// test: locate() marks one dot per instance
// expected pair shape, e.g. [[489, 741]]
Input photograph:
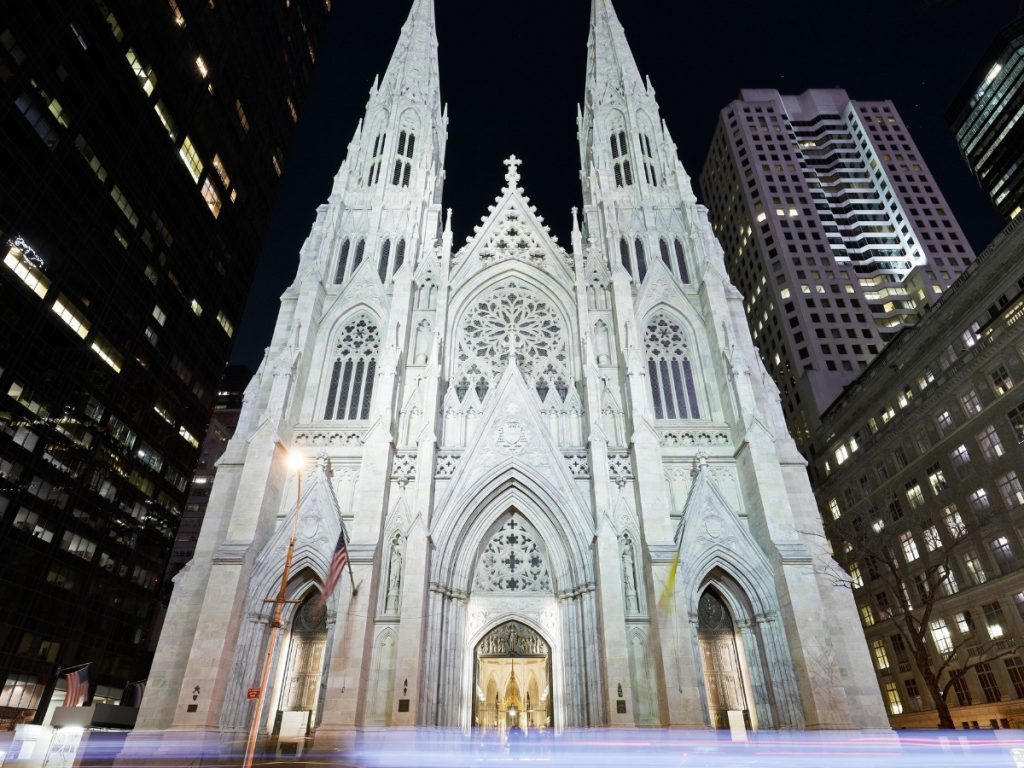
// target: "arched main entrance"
[[299, 691], [512, 680], [723, 675]]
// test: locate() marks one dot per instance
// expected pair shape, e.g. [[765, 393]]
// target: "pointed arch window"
[[375, 162], [670, 371], [641, 260], [627, 262], [339, 276], [360, 252], [649, 171], [666, 257], [399, 256], [355, 368], [684, 274], [382, 267], [620, 160], [403, 162]]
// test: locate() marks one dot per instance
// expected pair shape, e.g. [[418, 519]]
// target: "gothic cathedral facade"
[[518, 438]]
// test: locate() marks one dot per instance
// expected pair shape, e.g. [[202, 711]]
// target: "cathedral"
[[567, 488]]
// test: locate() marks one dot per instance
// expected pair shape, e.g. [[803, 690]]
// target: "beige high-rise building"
[[834, 230]]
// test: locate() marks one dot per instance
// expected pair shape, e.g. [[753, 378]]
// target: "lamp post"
[[295, 462]]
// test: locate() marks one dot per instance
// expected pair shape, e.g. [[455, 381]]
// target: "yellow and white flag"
[[670, 583]]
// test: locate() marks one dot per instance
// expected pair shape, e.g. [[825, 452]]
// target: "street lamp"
[[295, 461]]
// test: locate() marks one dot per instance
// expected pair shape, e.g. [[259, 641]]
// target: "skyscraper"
[[986, 121], [140, 148], [517, 438], [834, 230]]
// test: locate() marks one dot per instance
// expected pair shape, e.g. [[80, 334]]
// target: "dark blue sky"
[[512, 74]]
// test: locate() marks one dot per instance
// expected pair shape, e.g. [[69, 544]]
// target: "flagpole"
[[296, 462], [348, 560]]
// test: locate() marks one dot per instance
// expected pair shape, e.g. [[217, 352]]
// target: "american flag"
[[77, 687], [338, 562], [132, 696]]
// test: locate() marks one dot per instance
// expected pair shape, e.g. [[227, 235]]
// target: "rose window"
[[511, 320]]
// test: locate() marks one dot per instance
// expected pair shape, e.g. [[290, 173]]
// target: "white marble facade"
[[602, 402]]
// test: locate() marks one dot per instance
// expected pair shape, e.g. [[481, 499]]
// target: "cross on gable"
[[512, 177]]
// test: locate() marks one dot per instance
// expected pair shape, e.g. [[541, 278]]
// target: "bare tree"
[[890, 561]]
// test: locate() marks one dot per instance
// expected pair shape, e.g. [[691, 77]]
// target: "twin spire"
[[414, 65]]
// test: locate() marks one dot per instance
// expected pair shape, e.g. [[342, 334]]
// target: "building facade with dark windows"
[[834, 230], [986, 121], [919, 477], [140, 148]]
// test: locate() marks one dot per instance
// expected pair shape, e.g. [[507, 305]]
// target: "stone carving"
[[513, 239], [513, 639], [684, 438], [512, 562], [446, 464], [393, 593], [579, 464], [343, 438], [513, 437], [620, 467], [403, 469], [629, 577]]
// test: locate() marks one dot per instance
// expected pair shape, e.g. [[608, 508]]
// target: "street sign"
[[254, 693]]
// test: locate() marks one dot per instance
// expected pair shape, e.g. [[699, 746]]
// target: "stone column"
[[350, 658], [613, 621], [593, 679], [676, 636]]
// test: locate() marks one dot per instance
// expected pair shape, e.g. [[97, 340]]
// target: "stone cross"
[[512, 177]]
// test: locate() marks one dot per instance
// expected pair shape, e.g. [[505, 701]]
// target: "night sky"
[[512, 74]]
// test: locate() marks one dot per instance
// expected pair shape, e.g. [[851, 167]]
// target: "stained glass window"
[[354, 370], [670, 371]]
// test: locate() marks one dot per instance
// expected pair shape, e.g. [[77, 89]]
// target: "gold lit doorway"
[[512, 681]]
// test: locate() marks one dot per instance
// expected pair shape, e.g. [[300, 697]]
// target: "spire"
[[610, 60], [413, 71]]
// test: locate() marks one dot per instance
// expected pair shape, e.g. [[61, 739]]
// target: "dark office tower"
[[986, 121], [226, 409], [834, 230], [141, 144]]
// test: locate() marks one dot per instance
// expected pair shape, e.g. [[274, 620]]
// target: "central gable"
[[512, 230]]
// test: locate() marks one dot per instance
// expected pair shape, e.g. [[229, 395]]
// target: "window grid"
[[989, 686]]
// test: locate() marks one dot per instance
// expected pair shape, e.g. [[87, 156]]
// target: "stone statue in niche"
[[392, 598], [629, 577], [604, 349], [423, 343]]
